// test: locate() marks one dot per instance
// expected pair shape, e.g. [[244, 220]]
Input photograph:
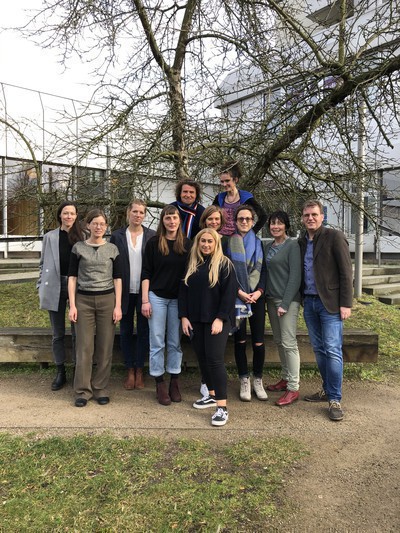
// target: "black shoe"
[[80, 402], [319, 396], [60, 380], [104, 400], [335, 411]]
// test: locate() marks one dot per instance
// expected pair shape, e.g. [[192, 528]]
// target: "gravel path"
[[349, 482]]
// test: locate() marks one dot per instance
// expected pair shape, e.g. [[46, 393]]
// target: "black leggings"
[[210, 351]]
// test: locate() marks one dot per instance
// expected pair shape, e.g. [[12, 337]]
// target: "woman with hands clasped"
[[284, 269], [246, 252], [207, 311], [94, 289]]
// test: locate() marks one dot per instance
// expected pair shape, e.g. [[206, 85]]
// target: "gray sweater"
[[94, 267], [284, 273]]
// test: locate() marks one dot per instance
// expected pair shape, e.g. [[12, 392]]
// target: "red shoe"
[[280, 386], [289, 397]]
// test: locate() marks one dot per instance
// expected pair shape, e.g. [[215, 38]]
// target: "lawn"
[[104, 483]]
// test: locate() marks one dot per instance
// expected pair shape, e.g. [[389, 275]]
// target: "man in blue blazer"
[[327, 290]]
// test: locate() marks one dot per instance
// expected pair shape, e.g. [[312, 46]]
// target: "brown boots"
[[129, 383], [134, 379], [174, 391], [164, 396], [139, 381]]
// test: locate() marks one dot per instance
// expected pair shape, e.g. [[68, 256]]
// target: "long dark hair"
[[75, 234], [179, 243]]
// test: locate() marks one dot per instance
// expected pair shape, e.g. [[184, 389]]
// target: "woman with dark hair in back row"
[[53, 281]]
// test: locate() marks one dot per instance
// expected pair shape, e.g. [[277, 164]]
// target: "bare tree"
[[159, 68]]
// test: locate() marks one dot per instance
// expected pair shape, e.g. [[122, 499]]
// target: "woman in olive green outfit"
[[283, 261]]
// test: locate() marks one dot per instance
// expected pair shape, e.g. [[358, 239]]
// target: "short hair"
[[313, 203], [210, 210], [282, 216], [191, 183], [94, 213], [233, 168], [246, 207]]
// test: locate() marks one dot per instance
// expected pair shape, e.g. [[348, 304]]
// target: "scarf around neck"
[[187, 213]]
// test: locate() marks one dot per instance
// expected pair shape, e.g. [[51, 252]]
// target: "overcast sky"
[[25, 64]]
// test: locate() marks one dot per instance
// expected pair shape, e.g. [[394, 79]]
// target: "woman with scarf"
[[246, 252], [188, 197]]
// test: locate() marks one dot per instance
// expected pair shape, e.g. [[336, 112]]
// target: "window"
[[330, 14]]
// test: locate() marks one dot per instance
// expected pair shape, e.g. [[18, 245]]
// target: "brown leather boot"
[[162, 394], [129, 383], [174, 390], [139, 379]]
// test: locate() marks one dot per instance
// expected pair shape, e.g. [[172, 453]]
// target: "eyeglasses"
[[244, 219], [98, 224]]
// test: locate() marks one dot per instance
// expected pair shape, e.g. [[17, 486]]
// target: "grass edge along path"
[[93, 483]]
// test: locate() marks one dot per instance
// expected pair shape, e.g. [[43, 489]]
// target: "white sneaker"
[[220, 417], [204, 390], [245, 389], [259, 390]]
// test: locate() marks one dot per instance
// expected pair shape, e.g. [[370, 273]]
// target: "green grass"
[[102, 483], [368, 313]]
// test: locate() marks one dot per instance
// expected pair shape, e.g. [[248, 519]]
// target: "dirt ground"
[[350, 482]]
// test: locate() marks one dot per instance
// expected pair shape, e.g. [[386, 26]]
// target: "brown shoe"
[[289, 397], [162, 394], [174, 391], [129, 383], [278, 387], [139, 379]]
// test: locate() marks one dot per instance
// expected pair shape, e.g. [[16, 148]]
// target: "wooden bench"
[[27, 345]]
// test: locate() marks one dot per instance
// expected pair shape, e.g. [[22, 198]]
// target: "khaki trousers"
[[95, 332]]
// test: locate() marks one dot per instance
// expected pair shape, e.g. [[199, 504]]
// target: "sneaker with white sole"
[[220, 417], [204, 390], [259, 390], [206, 401], [335, 411], [245, 389]]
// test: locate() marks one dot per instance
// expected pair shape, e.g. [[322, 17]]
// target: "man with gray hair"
[[327, 291]]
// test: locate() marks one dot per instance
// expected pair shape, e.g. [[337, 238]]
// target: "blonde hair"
[[210, 210], [218, 259]]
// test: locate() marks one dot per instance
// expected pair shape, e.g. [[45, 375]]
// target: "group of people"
[[203, 273]]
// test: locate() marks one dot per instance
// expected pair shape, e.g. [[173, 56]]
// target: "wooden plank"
[[27, 345]]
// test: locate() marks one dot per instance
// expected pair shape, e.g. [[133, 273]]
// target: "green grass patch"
[[101, 483], [20, 308]]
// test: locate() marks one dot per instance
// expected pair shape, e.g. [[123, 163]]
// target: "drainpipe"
[[359, 235]]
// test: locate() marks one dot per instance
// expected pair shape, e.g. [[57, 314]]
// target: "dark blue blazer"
[[118, 238]]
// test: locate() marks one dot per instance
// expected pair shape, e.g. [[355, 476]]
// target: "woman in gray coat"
[[52, 283]]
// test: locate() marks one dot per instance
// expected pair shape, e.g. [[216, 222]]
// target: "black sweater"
[[201, 303], [164, 271]]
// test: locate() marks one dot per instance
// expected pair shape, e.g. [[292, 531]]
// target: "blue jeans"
[[326, 336], [164, 324], [57, 321], [134, 358]]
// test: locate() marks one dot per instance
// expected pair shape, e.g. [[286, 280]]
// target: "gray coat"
[[49, 283]]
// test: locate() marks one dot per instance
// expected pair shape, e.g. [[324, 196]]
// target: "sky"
[[27, 65]]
